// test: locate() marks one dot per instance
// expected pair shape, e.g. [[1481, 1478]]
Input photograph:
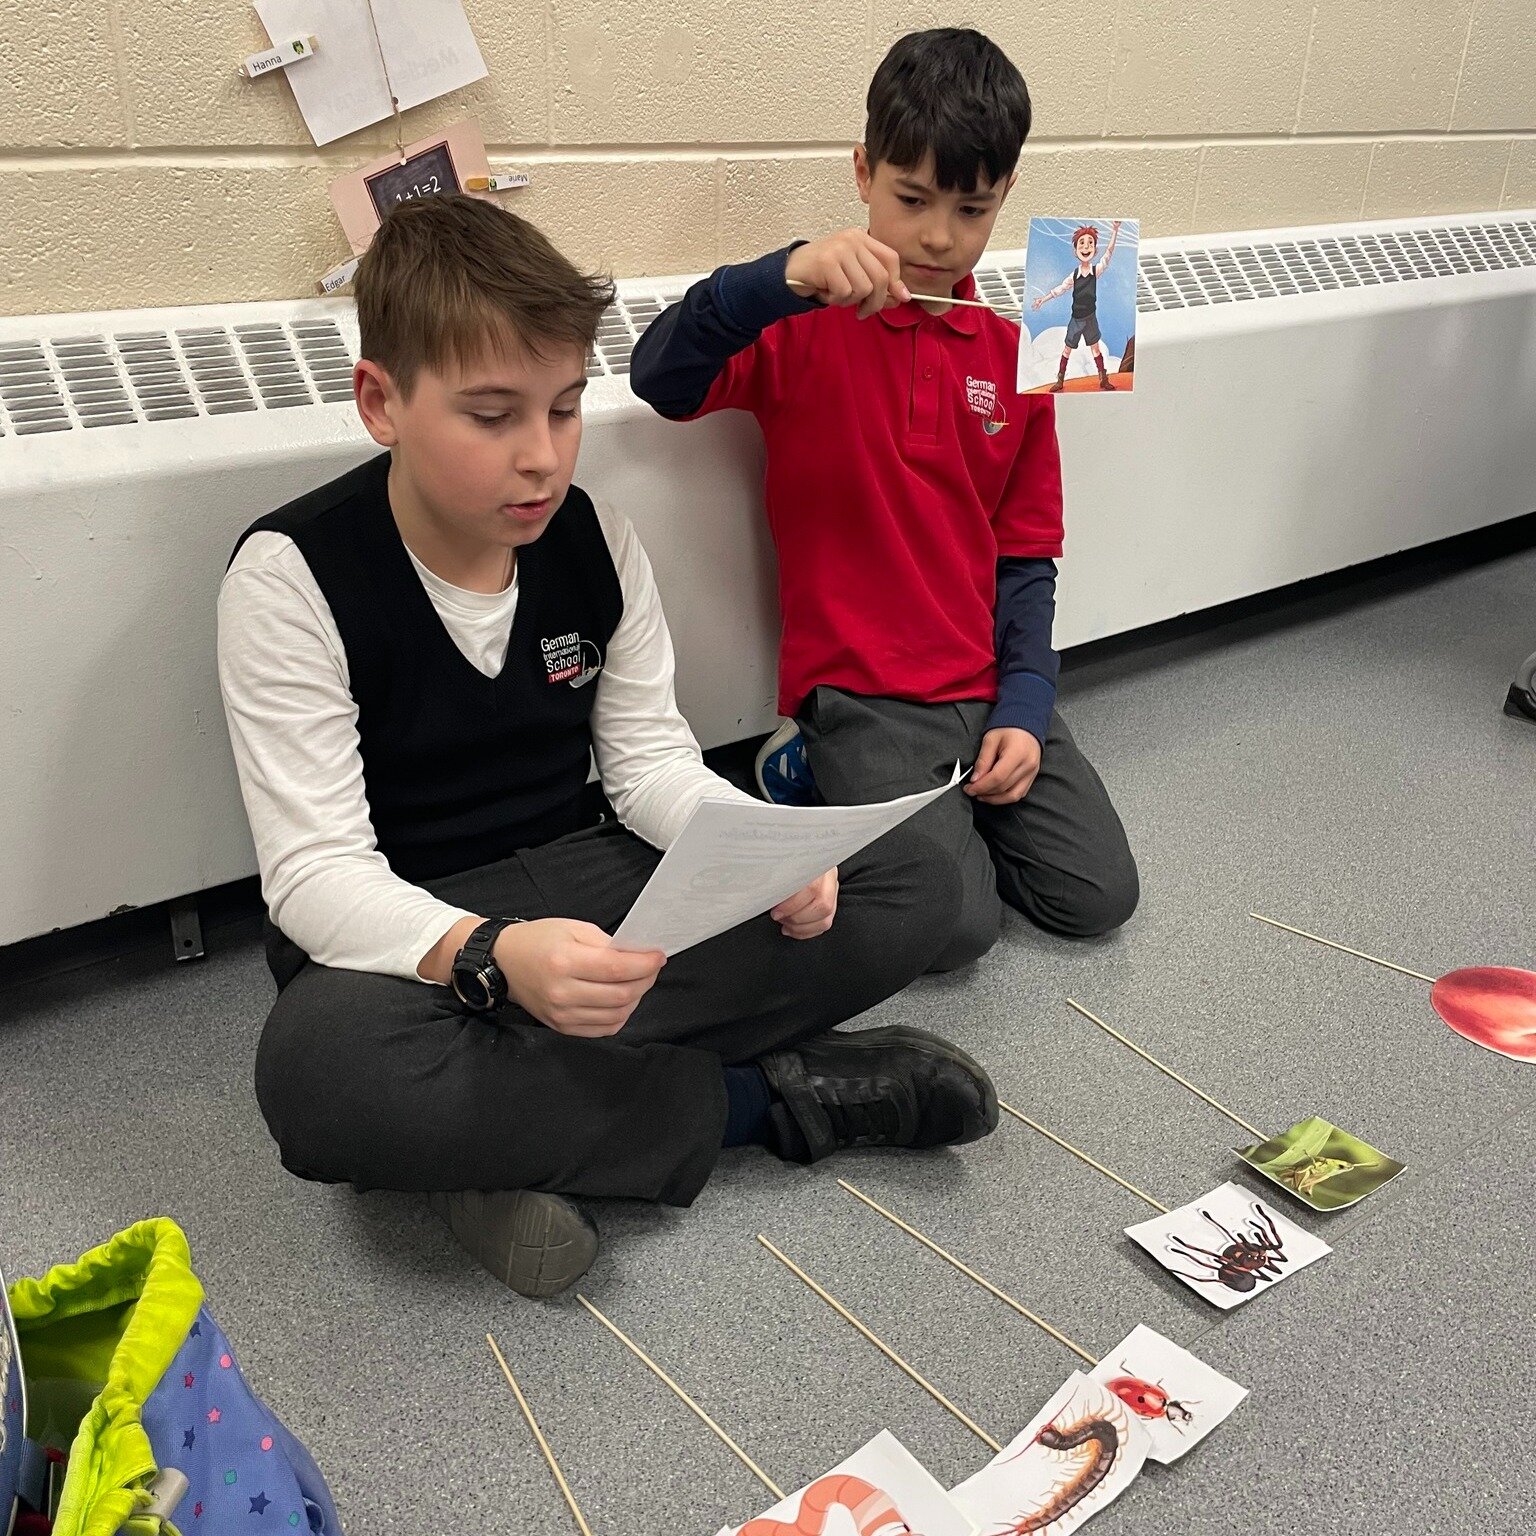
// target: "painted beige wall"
[[136, 167]]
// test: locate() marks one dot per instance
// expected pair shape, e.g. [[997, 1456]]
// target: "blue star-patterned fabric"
[[12, 1412], [245, 1471]]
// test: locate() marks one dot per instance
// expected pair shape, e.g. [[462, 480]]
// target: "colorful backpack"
[[135, 1409]]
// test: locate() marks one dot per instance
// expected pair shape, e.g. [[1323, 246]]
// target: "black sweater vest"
[[461, 769]]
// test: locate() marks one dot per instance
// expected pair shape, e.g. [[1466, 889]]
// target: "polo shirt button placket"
[[925, 385]]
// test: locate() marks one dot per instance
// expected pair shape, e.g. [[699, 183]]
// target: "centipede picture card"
[[1228, 1246], [1321, 1165], [881, 1487], [1177, 1396], [1075, 1457]]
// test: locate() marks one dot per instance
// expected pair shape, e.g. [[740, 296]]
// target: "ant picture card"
[[1075, 1457], [881, 1487], [1178, 1398], [1321, 1165], [13, 1412], [443, 162], [1227, 1246], [367, 50], [1078, 325]]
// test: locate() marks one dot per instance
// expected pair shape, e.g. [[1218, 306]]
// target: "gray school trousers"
[[1059, 855], [388, 1083]]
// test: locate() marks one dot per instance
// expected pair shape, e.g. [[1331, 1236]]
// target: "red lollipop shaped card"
[[1491, 1005]]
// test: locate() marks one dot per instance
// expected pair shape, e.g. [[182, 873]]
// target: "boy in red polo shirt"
[[915, 498]]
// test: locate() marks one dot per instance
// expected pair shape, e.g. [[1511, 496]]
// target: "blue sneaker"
[[784, 770]]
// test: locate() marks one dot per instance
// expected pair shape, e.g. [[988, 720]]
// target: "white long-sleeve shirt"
[[293, 725]]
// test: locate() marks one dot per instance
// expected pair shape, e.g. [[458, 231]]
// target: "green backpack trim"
[[103, 1331]]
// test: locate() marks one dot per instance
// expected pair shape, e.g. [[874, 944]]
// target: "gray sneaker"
[[537, 1244]]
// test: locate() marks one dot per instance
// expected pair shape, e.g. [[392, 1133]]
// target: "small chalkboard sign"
[[452, 160], [422, 175]]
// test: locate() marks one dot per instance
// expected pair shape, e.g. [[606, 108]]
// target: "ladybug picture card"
[[1178, 1398], [1228, 1246]]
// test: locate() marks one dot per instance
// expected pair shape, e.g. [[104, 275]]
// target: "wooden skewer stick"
[[1066, 1146], [1252, 1130], [884, 1348], [646, 1360], [538, 1435], [933, 298], [1317, 938], [970, 1273]]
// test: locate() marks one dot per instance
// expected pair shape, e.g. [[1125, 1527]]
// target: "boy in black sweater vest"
[[418, 661]]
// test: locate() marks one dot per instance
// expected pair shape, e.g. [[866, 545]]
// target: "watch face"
[[473, 988]]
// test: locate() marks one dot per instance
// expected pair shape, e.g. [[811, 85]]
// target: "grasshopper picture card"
[[1228, 1246], [1077, 331], [881, 1490], [1321, 1165], [1075, 1457], [1178, 1398]]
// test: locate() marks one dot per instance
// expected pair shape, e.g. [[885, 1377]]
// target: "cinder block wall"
[[667, 135]]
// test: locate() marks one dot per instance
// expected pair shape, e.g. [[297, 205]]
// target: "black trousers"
[[387, 1083], [1059, 855]]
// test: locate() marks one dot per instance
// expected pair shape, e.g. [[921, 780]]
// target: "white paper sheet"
[[1176, 1395], [428, 45], [734, 860], [1227, 1246], [918, 1503], [1092, 1450]]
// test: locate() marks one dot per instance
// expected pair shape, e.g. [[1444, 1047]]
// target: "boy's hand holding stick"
[[848, 269]]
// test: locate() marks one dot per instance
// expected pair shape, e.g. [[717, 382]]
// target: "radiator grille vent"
[[54, 385], [1234, 273]]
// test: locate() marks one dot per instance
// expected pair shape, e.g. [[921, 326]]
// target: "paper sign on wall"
[[443, 162], [427, 44]]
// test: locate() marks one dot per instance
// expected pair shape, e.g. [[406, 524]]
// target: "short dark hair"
[[954, 93], [453, 277]]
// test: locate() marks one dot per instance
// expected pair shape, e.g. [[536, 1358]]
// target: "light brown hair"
[[455, 278]]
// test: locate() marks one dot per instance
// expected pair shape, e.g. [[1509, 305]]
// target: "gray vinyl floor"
[[1342, 764]]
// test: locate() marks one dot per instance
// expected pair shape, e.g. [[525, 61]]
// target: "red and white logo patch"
[[981, 396]]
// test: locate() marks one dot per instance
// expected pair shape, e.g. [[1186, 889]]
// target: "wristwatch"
[[476, 978]]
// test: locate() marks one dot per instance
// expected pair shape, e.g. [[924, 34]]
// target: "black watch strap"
[[477, 979]]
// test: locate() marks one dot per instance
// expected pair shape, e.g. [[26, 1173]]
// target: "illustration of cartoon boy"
[[1083, 280]]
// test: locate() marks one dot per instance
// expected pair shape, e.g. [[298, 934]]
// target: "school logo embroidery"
[[981, 396], [570, 659]]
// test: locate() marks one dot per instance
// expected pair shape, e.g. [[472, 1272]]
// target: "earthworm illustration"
[[872, 1509]]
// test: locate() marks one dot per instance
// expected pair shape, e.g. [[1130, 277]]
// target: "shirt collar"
[[965, 321]]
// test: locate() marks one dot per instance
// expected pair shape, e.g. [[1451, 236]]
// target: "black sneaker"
[[892, 1087], [536, 1244]]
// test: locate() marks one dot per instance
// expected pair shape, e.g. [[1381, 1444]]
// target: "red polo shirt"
[[901, 465]]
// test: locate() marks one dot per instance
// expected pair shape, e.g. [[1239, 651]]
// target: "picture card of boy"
[[881, 1490], [1227, 1246], [1178, 1398], [1077, 1455], [1321, 1165], [1078, 327]]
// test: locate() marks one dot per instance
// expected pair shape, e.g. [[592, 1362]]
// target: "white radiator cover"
[[1270, 438]]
